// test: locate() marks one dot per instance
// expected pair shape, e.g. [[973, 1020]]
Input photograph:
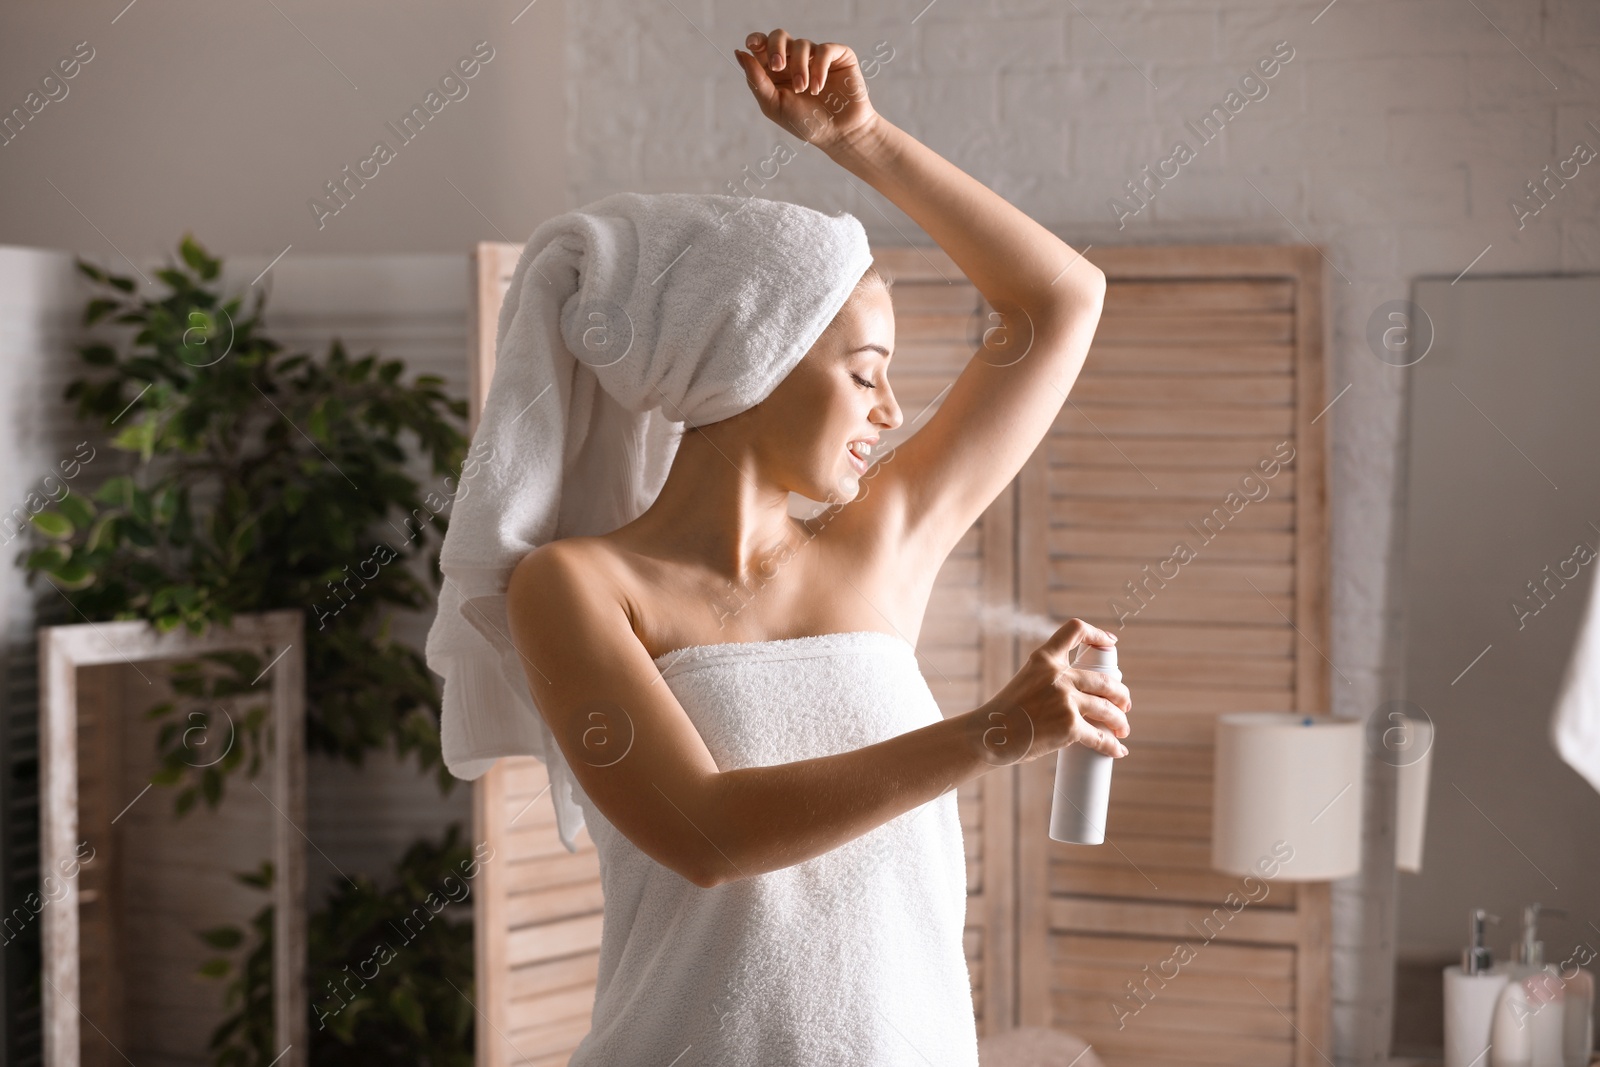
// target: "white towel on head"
[[623, 320]]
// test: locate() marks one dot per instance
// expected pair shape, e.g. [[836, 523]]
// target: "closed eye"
[[863, 382]]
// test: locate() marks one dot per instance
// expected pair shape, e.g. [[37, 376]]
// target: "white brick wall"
[[1394, 139]]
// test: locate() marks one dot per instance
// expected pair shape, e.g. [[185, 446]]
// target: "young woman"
[[766, 776]]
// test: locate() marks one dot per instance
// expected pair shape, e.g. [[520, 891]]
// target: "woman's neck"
[[715, 511]]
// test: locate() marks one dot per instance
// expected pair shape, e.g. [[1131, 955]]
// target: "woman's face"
[[837, 396]]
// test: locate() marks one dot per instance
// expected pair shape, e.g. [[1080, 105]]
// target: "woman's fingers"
[[1104, 712], [806, 61], [777, 49], [755, 76], [821, 62], [1102, 684], [799, 64], [1099, 739], [1070, 635]]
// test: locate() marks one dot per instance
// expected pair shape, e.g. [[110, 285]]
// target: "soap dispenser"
[[1530, 1014], [1579, 1013], [1470, 994]]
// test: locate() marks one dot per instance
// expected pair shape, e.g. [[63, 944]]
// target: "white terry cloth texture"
[[851, 957], [1575, 725], [624, 319]]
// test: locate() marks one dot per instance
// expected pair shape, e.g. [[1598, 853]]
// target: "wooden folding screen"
[[1206, 358], [1205, 374]]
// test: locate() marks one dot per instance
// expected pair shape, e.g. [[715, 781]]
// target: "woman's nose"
[[890, 410]]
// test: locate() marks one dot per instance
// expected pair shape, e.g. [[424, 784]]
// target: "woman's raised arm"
[[1049, 297]]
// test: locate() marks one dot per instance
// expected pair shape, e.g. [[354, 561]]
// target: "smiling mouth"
[[859, 459]]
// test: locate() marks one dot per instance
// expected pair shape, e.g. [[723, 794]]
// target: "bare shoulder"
[[563, 581], [567, 614], [592, 682]]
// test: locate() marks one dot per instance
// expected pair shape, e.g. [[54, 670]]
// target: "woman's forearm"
[[777, 816], [1011, 259]]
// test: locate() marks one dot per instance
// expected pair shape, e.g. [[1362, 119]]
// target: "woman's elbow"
[[1071, 306], [708, 872]]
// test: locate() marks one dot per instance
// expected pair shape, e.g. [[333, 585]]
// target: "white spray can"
[[1083, 776]]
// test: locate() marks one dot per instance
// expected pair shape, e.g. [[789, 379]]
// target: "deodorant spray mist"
[[1083, 776]]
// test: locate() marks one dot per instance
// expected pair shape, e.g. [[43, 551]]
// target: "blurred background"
[[1401, 138]]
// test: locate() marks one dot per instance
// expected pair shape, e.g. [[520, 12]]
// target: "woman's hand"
[[815, 91], [1049, 705]]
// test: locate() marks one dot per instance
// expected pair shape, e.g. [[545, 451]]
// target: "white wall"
[[1394, 138], [226, 119]]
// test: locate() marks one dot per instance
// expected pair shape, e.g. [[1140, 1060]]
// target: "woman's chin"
[[845, 488]]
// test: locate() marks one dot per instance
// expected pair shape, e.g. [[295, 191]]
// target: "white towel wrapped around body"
[[625, 320], [854, 956]]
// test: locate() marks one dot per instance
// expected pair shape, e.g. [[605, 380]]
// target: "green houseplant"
[[390, 970], [260, 480]]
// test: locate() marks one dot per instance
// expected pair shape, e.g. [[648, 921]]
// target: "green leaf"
[[98, 355], [99, 308], [197, 259], [50, 559], [215, 968], [102, 533], [317, 425], [53, 524], [261, 878], [77, 508], [132, 437], [115, 490], [140, 504], [90, 269], [75, 574], [223, 937], [137, 533], [405, 1006]]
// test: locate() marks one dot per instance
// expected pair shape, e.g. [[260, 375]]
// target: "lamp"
[[1284, 778]]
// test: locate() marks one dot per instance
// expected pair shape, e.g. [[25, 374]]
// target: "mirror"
[[1500, 509], [129, 888]]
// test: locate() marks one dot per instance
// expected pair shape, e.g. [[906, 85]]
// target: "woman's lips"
[[855, 461]]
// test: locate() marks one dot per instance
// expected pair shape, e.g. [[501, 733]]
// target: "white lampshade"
[[1287, 784]]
